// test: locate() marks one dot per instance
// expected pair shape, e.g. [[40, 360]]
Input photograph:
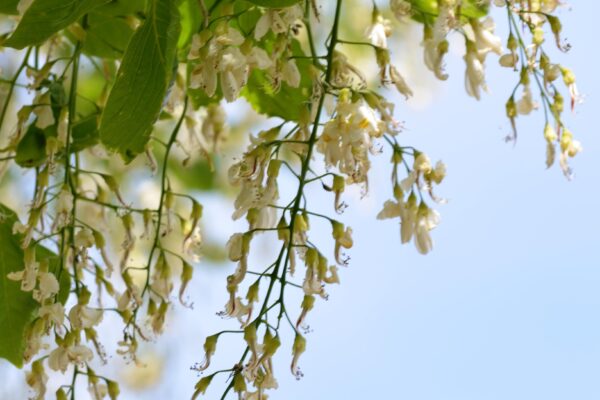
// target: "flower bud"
[[252, 295], [202, 385], [61, 395], [283, 232], [273, 169], [250, 334], [549, 133], [538, 36], [113, 389], [239, 383], [511, 107]]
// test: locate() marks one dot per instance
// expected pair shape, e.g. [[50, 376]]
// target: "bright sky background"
[[506, 306]]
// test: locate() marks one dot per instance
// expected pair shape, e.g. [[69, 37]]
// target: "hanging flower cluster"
[[89, 247]]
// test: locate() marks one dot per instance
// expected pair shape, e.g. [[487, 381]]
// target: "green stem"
[[163, 191], [12, 87]]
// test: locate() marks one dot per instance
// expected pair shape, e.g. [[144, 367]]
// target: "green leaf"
[[137, 96], [85, 134], [17, 308], [428, 9], [191, 18], [44, 18], [106, 36], [107, 28], [9, 7], [31, 150], [287, 102], [198, 176], [274, 3], [474, 9], [200, 99], [121, 8]]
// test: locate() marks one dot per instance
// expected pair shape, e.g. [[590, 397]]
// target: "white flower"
[[61, 357], [222, 60], [444, 22], [427, 219], [28, 275], [64, 206], [84, 238], [235, 308], [192, 246], [43, 110], [63, 126], [345, 74], [343, 238], [270, 20], [259, 58], [400, 83], [98, 391], [82, 316], [422, 164], [347, 139], [37, 379], [408, 219], [439, 172], [434, 57], [474, 74], [234, 69], [485, 40], [401, 8], [569, 149], [391, 209], [277, 21], [526, 104], [379, 31], [250, 174], [290, 73], [54, 313], [48, 286], [548, 6]]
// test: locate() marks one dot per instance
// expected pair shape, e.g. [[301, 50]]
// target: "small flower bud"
[[549, 133], [252, 295], [511, 43], [511, 107], [202, 385], [239, 383], [250, 334], [273, 169], [538, 36], [61, 395], [113, 389]]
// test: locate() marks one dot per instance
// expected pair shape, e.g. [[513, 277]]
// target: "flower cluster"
[[89, 247]]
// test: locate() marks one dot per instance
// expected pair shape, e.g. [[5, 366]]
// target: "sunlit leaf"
[[274, 3], [191, 18], [137, 96], [9, 7], [428, 9], [31, 150], [44, 18], [106, 36]]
